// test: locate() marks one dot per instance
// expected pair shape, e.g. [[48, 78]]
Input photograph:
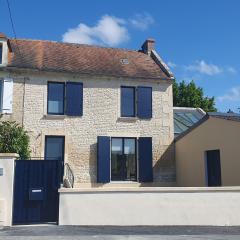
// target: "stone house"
[[107, 112]]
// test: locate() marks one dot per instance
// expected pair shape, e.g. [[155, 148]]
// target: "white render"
[[150, 206], [7, 163]]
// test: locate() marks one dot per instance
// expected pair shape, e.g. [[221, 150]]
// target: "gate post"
[[7, 169]]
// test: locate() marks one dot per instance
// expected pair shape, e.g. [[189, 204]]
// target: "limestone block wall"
[[101, 116]]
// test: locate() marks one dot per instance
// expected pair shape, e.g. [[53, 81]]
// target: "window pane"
[[116, 160], [56, 98], [54, 148], [1, 53], [127, 101], [123, 161], [130, 156], [1, 94]]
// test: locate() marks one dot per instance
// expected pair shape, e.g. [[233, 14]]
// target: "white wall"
[[150, 206], [6, 188]]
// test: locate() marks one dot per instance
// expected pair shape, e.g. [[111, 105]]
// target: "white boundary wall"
[[7, 163], [150, 206]]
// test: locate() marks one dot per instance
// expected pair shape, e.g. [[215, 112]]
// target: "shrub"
[[14, 139]]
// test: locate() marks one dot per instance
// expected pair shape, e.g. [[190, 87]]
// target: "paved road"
[[49, 232]]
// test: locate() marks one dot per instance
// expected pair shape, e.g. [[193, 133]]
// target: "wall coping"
[[151, 189], [9, 155]]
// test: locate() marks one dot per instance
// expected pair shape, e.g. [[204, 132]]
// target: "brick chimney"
[[148, 46]]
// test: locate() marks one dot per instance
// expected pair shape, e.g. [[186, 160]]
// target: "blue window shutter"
[[144, 102], [103, 159], [145, 159], [74, 95]]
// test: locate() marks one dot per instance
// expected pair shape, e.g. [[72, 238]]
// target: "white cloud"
[[232, 95], [232, 70], [141, 21], [171, 64], [205, 68], [109, 30]]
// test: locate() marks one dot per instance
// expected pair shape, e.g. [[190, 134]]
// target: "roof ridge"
[[77, 44]]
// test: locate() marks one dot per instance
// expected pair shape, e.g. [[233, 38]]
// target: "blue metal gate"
[[36, 197]]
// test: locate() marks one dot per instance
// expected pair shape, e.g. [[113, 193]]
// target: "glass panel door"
[[130, 156], [116, 160], [123, 159]]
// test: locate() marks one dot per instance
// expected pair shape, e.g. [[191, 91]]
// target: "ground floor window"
[[54, 148], [123, 159]]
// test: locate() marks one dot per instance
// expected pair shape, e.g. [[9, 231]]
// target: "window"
[[136, 102], [54, 148], [120, 159], [128, 102], [123, 159], [1, 53], [56, 95], [1, 94], [74, 98]]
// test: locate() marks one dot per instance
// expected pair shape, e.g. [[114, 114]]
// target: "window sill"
[[52, 116], [128, 119]]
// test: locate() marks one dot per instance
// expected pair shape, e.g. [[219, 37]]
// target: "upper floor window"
[[56, 96], [1, 53], [136, 101], [65, 98], [1, 94], [128, 101]]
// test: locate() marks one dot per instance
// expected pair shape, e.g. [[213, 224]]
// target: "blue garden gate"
[[36, 197]]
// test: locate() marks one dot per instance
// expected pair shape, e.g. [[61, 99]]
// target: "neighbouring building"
[[107, 112], [207, 154]]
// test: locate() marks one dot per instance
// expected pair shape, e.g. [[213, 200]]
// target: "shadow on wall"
[[165, 168], [93, 164]]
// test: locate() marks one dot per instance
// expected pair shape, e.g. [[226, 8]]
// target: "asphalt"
[[47, 232]]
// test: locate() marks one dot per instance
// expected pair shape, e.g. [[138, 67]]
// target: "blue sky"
[[199, 39]]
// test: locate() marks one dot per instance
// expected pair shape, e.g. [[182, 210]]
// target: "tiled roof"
[[2, 35], [85, 59]]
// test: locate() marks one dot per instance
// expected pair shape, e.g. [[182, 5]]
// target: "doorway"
[[123, 159], [213, 166]]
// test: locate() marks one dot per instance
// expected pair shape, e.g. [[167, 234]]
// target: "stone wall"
[[101, 116]]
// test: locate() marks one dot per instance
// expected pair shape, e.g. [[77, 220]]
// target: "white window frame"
[[1, 94], [1, 57]]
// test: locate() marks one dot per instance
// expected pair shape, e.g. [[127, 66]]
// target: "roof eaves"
[[13, 68], [201, 121], [155, 56]]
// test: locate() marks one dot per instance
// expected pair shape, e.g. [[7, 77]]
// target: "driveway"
[[48, 232]]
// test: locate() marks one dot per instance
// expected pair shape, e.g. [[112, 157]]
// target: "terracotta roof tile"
[[80, 58], [2, 35]]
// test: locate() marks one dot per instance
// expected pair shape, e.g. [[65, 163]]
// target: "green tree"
[[189, 95], [14, 139]]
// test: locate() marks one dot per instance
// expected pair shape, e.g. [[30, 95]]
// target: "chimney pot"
[[148, 46]]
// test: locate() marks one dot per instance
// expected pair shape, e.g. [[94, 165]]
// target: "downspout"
[[23, 104]]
